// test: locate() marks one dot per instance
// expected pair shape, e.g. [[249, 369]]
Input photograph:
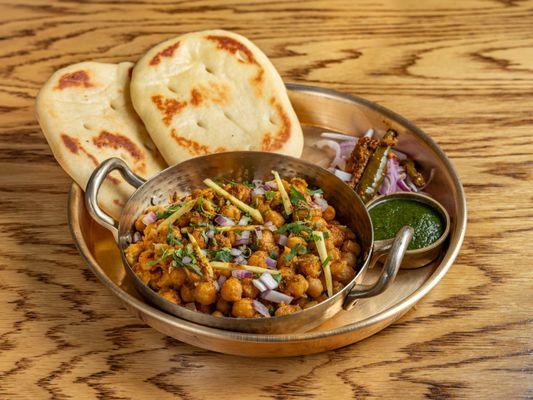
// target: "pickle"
[[416, 177], [376, 168]]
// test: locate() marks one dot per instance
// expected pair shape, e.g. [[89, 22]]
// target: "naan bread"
[[86, 115], [213, 91]]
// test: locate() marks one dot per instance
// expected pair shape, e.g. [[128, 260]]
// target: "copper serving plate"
[[318, 110]]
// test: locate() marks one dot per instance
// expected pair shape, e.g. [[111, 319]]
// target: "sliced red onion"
[[240, 242], [191, 306], [276, 297], [345, 176], [431, 175], [186, 260], [235, 252], [258, 192], [321, 202], [403, 186], [369, 133], [271, 184], [149, 218], [259, 285], [224, 221], [239, 260], [346, 148], [390, 182], [270, 262], [282, 240], [258, 233], [136, 237], [204, 252], [337, 160], [268, 280], [244, 220], [245, 235], [242, 274], [260, 308], [221, 279], [270, 226], [257, 183], [217, 286], [338, 136], [210, 234], [411, 185], [401, 156]]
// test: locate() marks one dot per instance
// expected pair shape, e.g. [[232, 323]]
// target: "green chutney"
[[391, 215]]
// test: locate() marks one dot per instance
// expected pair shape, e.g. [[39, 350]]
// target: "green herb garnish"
[[316, 191], [223, 255], [171, 238], [298, 249], [297, 198], [277, 277], [163, 257], [269, 195], [169, 211], [295, 227]]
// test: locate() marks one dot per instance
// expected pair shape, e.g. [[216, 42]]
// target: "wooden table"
[[461, 70]]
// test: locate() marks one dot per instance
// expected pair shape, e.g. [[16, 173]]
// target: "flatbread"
[[213, 91], [86, 115]]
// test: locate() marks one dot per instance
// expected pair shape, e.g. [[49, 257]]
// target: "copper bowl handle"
[[93, 187], [396, 249]]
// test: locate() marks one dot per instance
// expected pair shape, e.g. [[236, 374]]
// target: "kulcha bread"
[[86, 115], [213, 91]]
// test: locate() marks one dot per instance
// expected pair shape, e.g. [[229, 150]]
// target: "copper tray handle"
[[93, 187], [396, 249]]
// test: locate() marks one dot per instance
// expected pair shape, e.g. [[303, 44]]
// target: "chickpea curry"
[[244, 249]]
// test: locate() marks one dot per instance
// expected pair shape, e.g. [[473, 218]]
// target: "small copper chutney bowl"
[[247, 165], [423, 256]]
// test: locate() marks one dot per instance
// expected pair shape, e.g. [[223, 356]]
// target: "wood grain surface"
[[461, 70]]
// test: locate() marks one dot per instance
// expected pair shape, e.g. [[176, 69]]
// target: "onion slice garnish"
[[260, 308], [242, 274], [224, 221], [270, 262], [282, 240], [276, 297], [136, 237], [259, 285], [344, 176], [337, 159], [270, 226], [149, 218], [338, 136], [268, 281], [235, 252]]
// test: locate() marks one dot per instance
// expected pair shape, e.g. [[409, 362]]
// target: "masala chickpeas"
[[248, 258]]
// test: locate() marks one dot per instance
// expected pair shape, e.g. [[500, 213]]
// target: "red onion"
[[270, 262], [369, 133], [258, 192], [276, 297], [240, 242], [411, 185], [345, 176], [210, 234], [136, 237], [259, 285], [244, 221], [271, 184], [149, 218], [321, 202], [401, 156], [268, 280], [337, 160], [245, 235], [239, 260], [282, 240], [257, 183], [346, 148], [204, 252], [235, 252], [260, 308], [217, 286], [258, 233], [390, 182], [186, 260], [338, 136], [224, 221], [270, 226], [242, 273], [221, 279]]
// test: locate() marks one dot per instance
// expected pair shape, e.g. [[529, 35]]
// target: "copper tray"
[[318, 110]]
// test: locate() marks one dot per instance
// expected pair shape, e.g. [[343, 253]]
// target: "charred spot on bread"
[[168, 107], [273, 142], [193, 147], [243, 53], [167, 52], [74, 79], [74, 146], [117, 141], [196, 97]]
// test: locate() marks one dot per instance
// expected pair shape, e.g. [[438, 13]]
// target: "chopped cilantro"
[[316, 191], [163, 257], [277, 277], [171, 238], [169, 211], [269, 195], [297, 199], [295, 227], [223, 255], [298, 249]]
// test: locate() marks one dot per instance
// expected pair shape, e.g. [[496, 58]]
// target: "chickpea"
[[145, 257], [275, 217], [196, 218], [232, 212], [286, 272], [309, 265], [302, 302], [336, 234], [319, 222], [315, 287], [132, 252], [187, 294], [351, 247], [294, 241], [217, 313], [199, 238], [302, 214], [170, 295], [231, 290], [299, 184], [267, 241], [139, 225], [248, 289], [335, 254], [205, 293], [337, 287], [283, 261], [145, 276], [287, 309], [349, 258], [203, 308], [240, 191], [342, 272], [222, 241], [258, 259], [296, 286], [329, 214], [243, 308], [205, 193], [223, 306]]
